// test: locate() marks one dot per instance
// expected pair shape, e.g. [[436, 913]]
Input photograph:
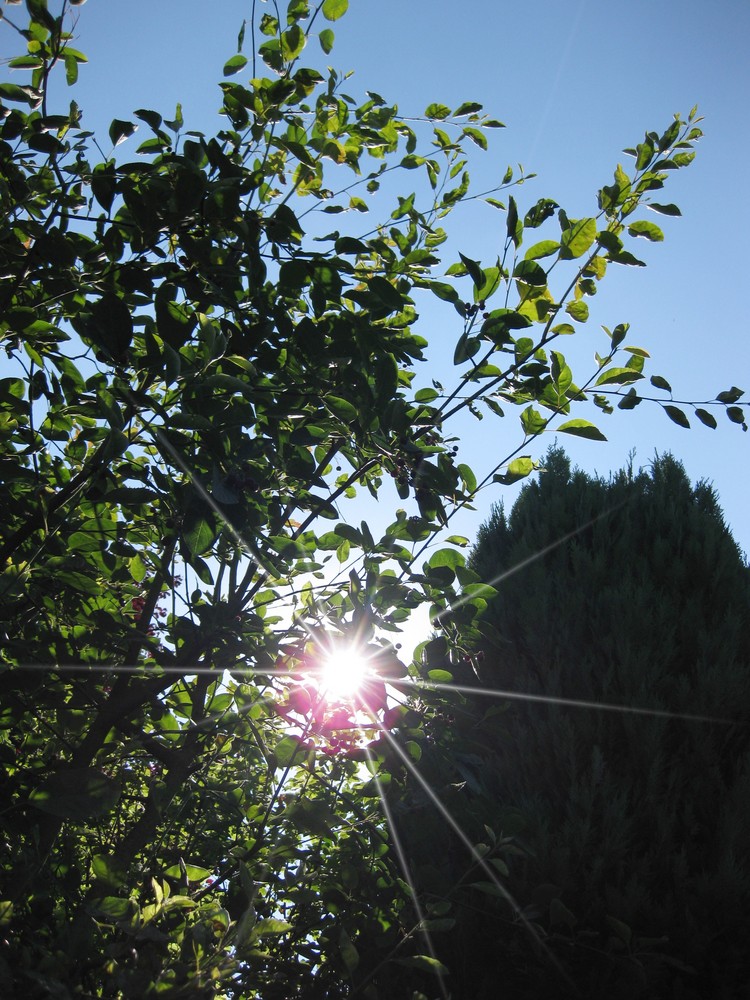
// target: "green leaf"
[[664, 209], [385, 291], [440, 676], [104, 184], [660, 383], [334, 9], [341, 408], [235, 64], [111, 326], [539, 213], [120, 130], [492, 281], [293, 41], [530, 273], [578, 310], [676, 415], [476, 136], [286, 751], [706, 418], [543, 249], [475, 271], [644, 154], [199, 533], [25, 62], [326, 38], [468, 478], [468, 108], [151, 118], [532, 421], [446, 557], [730, 395], [71, 68], [519, 468], [271, 925], [626, 259], [437, 112], [21, 95], [618, 376], [500, 321], [193, 873], [116, 909], [577, 238], [647, 229], [514, 226], [581, 428], [564, 329], [444, 291], [137, 569], [737, 415]]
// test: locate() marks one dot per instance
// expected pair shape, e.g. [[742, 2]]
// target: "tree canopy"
[[627, 592], [201, 377]]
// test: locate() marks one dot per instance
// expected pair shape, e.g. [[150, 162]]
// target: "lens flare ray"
[[488, 871], [401, 855], [603, 706], [534, 557]]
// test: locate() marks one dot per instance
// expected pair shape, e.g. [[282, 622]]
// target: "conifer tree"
[[628, 591]]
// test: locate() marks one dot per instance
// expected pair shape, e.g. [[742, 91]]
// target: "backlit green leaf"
[[581, 428], [326, 38], [519, 468], [542, 249], [578, 310], [647, 229], [334, 9], [577, 238], [235, 64], [292, 42], [618, 376], [437, 111], [341, 408]]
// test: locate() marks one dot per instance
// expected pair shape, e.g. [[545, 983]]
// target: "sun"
[[343, 672]]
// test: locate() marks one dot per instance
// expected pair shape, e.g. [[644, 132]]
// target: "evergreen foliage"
[[628, 591]]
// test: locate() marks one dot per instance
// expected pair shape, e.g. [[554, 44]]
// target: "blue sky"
[[575, 83]]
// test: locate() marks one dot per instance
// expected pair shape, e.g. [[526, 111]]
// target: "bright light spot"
[[342, 673]]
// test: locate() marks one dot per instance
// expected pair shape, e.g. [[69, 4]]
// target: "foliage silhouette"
[[628, 591]]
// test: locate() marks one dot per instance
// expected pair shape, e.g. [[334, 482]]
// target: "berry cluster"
[[472, 308]]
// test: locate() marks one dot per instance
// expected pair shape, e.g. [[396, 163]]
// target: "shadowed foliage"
[[628, 591]]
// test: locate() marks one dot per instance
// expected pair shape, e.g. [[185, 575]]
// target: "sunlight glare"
[[342, 673]]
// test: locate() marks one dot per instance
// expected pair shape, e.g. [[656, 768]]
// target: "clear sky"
[[574, 82]]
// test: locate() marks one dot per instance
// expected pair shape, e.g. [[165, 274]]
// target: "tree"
[[198, 386], [623, 592]]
